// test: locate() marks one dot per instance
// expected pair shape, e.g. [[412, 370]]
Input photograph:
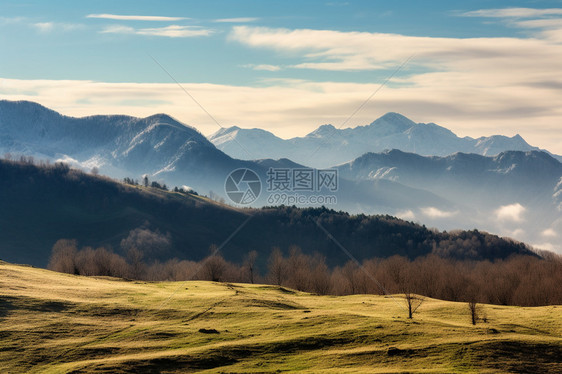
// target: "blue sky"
[[476, 67]]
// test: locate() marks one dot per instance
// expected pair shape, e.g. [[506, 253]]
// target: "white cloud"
[[547, 21], [44, 26], [550, 233], [237, 20], [12, 20], [295, 107], [433, 212], [517, 233], [134, 18], [47, 27], [336, 50], [172, 31], [118, 29], [461, 81], [407, 215], [511, 212], [548, 246], [513, 13], [265, 67], [68, 160]]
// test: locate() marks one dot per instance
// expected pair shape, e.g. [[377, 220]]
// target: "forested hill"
[[41, 204]]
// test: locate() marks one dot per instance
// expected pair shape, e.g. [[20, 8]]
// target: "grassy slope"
[[51, 322]]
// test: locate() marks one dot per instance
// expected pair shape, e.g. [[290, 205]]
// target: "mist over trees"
[[188, 224], [469, 266], [518, 280]]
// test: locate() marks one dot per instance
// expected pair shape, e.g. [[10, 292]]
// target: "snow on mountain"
[[118, 145], [328, 146], [448, 188]]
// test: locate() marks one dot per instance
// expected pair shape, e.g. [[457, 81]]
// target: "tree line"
[[518, 280]]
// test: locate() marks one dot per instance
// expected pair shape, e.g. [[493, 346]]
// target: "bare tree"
[[137, 267], [214, 265], [349, 271], [413, 302], [147, 241], [63, 257], [472, 296], [319, 275], [277, 267], [473, 308], [250, 264], [299, 269], [409, 275]]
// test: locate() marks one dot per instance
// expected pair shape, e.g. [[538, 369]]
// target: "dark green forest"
[[42, 203]]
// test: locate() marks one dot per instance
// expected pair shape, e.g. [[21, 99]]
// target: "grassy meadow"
[[59, 323]]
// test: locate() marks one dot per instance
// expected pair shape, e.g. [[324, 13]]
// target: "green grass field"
[[56, 323]]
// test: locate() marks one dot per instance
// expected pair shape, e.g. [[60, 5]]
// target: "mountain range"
[[328, 146], [516, 192], [117, 145]]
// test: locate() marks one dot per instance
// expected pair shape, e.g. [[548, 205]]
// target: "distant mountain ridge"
[[328, 146], [514, 193], [526, 177], [118, 145]]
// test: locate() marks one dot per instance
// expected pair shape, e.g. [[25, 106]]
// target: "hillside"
[[60, 323], [455, 191], [41, 205], [117, 145]]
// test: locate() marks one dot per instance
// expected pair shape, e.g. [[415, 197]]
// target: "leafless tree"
[[298, 269], [134, 258], [147, 241], [277, 267], [473, 308], [63, 257], [409, 275], [319, 275], [413, 302], [214, 265], [250, 265], [349, 271]]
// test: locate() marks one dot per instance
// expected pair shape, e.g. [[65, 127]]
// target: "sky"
[[478, 68]]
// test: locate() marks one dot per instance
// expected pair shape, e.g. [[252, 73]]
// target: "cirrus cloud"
[[513, 13], [120, 17], [460, 80], [237, 20], [172, 31]]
